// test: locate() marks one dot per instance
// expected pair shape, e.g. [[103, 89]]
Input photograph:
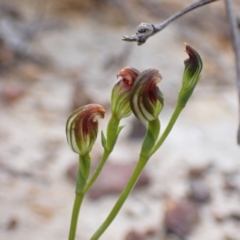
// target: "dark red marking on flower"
[[128, 75], [86, 121], [194, 60]]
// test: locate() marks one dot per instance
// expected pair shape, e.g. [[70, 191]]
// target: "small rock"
[[228, 237], [198, 171], [218, 217], [114, 178], [180, 217], [199, 192], [150, 232], [44, 211], [235, 216], [30, 72], [12, 91], [12, 224], [11, 10], [6, 55], [133, 235], [230, 183]]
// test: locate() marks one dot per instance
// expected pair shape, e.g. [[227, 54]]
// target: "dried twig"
[[236, 47], [146, 30]]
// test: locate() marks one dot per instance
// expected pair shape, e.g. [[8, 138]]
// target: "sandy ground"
[[36, 196]]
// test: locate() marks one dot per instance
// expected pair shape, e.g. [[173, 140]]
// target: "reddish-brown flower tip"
[[120, 105], [194, 63], [128, 75], [191, 75]]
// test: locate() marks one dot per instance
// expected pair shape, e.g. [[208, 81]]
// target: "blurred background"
[[57, 55]]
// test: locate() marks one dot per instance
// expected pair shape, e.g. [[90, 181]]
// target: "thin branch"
[[238, 22], [236, 47], [146, 30]]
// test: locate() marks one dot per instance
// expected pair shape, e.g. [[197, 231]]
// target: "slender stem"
[[127, 190], [85, 165], [236, 47], [75, 213], [83, 173], [168, 129], [97, 171], [182, 12], [112, 132]]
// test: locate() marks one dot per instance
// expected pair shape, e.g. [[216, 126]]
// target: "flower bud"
[[146, 98], [191, 75], [120, 105], [82, 127]]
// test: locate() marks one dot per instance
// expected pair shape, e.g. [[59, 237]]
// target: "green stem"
[[83, 173], [97, 171], [75, 213], [168, 129], [127, 190], [112, 134]]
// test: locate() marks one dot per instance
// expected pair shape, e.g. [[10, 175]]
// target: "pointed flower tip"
[[194, 63], [191, 75], [146, 98], [128, 75], [82, 127], [120, 105]]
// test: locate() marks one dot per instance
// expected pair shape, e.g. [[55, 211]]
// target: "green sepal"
[[191, 75], [83, 173], [103, 140], [185, 94], [119, 129], [81, 182], [112, 133], [151, 137], [116, 136]]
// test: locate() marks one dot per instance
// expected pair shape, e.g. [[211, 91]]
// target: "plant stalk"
[[75, 213], [168, 129], [83, 173], [127, 190], [112, 134], [236, 47]]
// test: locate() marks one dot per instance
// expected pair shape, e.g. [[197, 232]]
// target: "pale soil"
[[34, 154]]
